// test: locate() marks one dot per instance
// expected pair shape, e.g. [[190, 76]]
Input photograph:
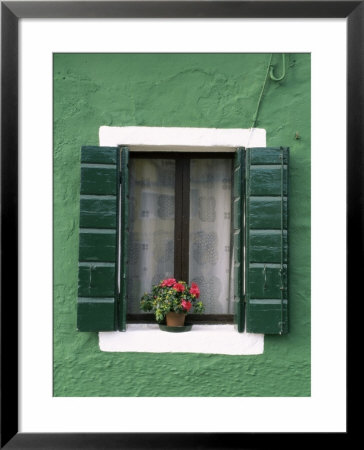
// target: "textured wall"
[[171, 90]]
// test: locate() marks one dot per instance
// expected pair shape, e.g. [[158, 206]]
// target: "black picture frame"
[[11, 12]]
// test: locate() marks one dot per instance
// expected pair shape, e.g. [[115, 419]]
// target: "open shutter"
[[266, 256], [98, 239], [238, 238], [124, 234]]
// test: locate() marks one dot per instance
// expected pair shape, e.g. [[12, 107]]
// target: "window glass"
[[151, 226], [210, 232]]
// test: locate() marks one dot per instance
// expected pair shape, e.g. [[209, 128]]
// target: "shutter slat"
[[98, 180], [95, 314], [98, 237], [265, 180], [99, 247], [267, 155], [264, 282], [98, 212], [266, 255], [265, 246], [238, 239], [267, 317], [265, 212], [99, 155], [96, 281]]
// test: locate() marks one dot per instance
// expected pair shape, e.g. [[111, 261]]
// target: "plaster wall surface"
[[178, 90]]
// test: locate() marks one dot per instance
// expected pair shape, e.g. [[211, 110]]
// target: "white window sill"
[[212, 339]]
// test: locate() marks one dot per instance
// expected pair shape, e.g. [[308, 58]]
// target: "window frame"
[[182, 221], [188, 139]]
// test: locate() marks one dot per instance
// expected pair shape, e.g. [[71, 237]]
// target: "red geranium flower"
[[186, 304], [195, 290], [168, 282], [179, 287]]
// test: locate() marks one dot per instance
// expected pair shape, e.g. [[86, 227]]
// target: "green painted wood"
[[97, 245], [267, 155], [96, 281], [266, 231], [238, 239], [265, 246], [237, 181], [265, 281], [124, 226], [96, 314], [98, 179], [98, 211], [237, 212], [267, 317], [265, 213], [99, 155], [98, 240], [266, 180], [238, 247]]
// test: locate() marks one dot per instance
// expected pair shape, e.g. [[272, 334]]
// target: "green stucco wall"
[[178, 90]]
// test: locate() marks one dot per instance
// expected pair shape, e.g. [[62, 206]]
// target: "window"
[[180, 227], [259, 234]]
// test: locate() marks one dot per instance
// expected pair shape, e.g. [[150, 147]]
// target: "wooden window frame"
[[182, 225]]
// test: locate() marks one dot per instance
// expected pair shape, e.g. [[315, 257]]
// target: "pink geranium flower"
[[168, 282], [179, 287], [186, 304], [195, 290]]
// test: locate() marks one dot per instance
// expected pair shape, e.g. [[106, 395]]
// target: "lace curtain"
[[151, 229], [210, 214], [151, 226]]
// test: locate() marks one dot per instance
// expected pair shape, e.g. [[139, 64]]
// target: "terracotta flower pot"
[[175, 319]]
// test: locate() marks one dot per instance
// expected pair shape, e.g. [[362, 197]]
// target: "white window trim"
[[189, 137], [212, 339]]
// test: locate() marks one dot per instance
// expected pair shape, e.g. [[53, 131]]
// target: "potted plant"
[[172, 300]]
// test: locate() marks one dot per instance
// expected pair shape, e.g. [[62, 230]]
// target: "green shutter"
[[266, 256], [97, 304], [238, 238], [124, 233]]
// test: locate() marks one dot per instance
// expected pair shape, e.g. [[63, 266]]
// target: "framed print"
[[147, 81]]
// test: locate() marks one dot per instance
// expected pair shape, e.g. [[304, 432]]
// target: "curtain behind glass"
[[210, 233], [151, 229]]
